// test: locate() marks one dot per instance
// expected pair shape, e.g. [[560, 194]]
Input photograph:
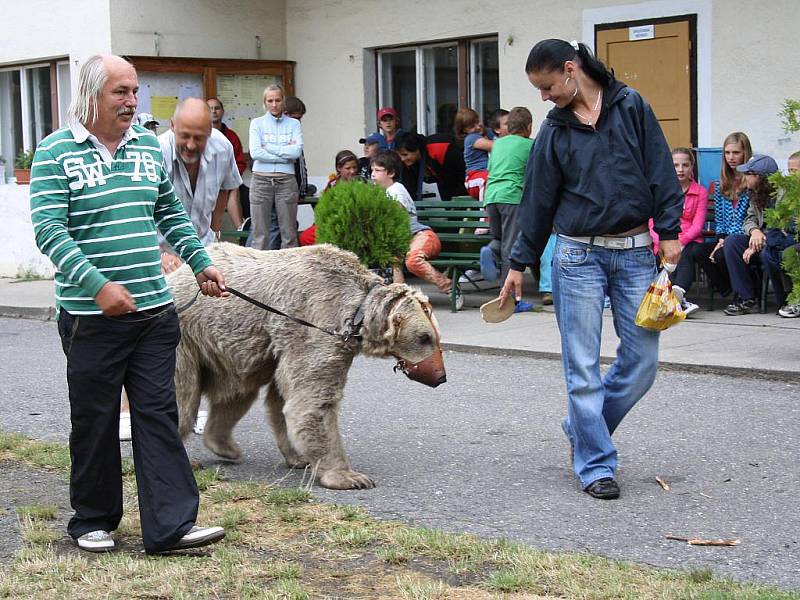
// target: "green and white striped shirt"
[[96, 217]]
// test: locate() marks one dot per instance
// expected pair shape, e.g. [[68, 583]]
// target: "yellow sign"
[[163, 107]]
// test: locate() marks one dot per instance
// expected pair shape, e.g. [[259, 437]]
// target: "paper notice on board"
[[189, 91], [228, 89], [163, 106], [241, 126], [143, 100]]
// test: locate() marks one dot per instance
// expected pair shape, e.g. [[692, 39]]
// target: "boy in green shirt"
[[504, 188]]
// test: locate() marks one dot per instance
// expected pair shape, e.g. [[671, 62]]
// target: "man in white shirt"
[[202, 167]]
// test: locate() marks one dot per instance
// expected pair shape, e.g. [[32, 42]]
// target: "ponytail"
[[550, 55]]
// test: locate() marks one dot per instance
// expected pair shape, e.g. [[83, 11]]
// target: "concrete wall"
[[755, 68], [331, 69], [200, 28], [743, 73], [19, 255], [38, 29]]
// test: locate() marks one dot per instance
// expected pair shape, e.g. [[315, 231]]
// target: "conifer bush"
[[361, 218], [787, 213]]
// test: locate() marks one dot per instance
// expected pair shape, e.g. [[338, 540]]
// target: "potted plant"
[[22, 166], [361, 218]]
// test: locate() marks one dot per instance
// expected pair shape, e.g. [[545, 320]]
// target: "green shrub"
[[361, 218], [787, 211]]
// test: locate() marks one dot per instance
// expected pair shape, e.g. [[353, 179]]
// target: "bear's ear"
[[396, 327]]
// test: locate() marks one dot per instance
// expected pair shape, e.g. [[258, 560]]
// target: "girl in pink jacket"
[[693, 222]]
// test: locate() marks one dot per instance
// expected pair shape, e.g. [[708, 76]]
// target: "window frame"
[[464, 60], [28, 135]]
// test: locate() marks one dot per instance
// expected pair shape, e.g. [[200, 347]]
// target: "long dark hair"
[[550, 55], [762, 192]]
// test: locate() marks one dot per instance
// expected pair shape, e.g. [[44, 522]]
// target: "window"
[[427, 84], [33, 102]]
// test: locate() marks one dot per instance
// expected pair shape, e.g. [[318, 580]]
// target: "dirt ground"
[[21, 486]]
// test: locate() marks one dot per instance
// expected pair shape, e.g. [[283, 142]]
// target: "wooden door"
[[659, 66]]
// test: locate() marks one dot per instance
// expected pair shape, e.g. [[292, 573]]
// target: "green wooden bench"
[[234, 235], [455, 222]]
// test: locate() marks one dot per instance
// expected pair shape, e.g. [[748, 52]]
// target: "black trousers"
[[137, 351], [697, 253]]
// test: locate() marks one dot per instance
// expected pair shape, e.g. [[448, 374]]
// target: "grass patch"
[[281, 544], [37, 512], [44, 455]]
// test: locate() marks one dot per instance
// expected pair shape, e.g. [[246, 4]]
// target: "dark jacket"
[[441, 162], [583, 182]]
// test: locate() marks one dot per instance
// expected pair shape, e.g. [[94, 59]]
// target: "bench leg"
[[453, 288]]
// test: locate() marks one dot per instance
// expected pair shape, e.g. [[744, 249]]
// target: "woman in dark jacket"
[[435, 159], [600, 168]]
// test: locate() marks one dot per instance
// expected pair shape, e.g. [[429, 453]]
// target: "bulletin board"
[[239, 84], [242, 98], [159, 93]]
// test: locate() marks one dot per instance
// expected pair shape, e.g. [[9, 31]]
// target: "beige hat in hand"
[[492, 313]]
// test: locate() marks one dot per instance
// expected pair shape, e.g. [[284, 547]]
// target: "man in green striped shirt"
[[99, 197]]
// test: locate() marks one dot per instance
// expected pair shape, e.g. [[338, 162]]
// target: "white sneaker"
[[459, 299], [470, 275], [680, 293], [790, 311], [200, 423], [198, 536], [124, 427], [96, 541], [689, 307]]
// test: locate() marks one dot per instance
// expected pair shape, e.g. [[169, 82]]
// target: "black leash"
[[345, 337]]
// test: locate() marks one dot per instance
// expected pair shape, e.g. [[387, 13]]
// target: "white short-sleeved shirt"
[[218, 171]]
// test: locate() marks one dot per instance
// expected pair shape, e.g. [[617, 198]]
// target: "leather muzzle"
[[429, 371]]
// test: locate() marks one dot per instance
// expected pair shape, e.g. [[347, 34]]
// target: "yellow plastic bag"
[[660, 308]]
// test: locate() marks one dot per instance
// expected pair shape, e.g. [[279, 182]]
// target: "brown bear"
[[231, 349]]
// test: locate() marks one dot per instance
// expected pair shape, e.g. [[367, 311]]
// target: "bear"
[[231, 349]]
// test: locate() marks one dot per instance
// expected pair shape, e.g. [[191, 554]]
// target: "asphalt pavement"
[[483, 453]]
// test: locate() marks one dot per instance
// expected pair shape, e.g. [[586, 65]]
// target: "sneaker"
[[124, 427], [689, 307], [790, 311], [196, 537], [459, 299], [547, 299], [200, 423], [523, 306], [488, 264], [741, 308], [604, 489], [470, 276], [96, 541]]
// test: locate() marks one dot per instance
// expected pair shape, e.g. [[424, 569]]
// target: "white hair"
[[92, 78]]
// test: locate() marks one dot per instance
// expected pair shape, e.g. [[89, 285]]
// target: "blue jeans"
[[582, 276]]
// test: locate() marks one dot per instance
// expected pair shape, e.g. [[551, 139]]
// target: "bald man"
[[201, 165]]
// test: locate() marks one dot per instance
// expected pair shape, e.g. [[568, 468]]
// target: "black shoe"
[[604, 489], [743, 307]]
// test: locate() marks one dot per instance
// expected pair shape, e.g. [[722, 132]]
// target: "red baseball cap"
[[387, 110]]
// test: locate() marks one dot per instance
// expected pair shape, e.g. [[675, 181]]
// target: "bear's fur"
[[230, 349]]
